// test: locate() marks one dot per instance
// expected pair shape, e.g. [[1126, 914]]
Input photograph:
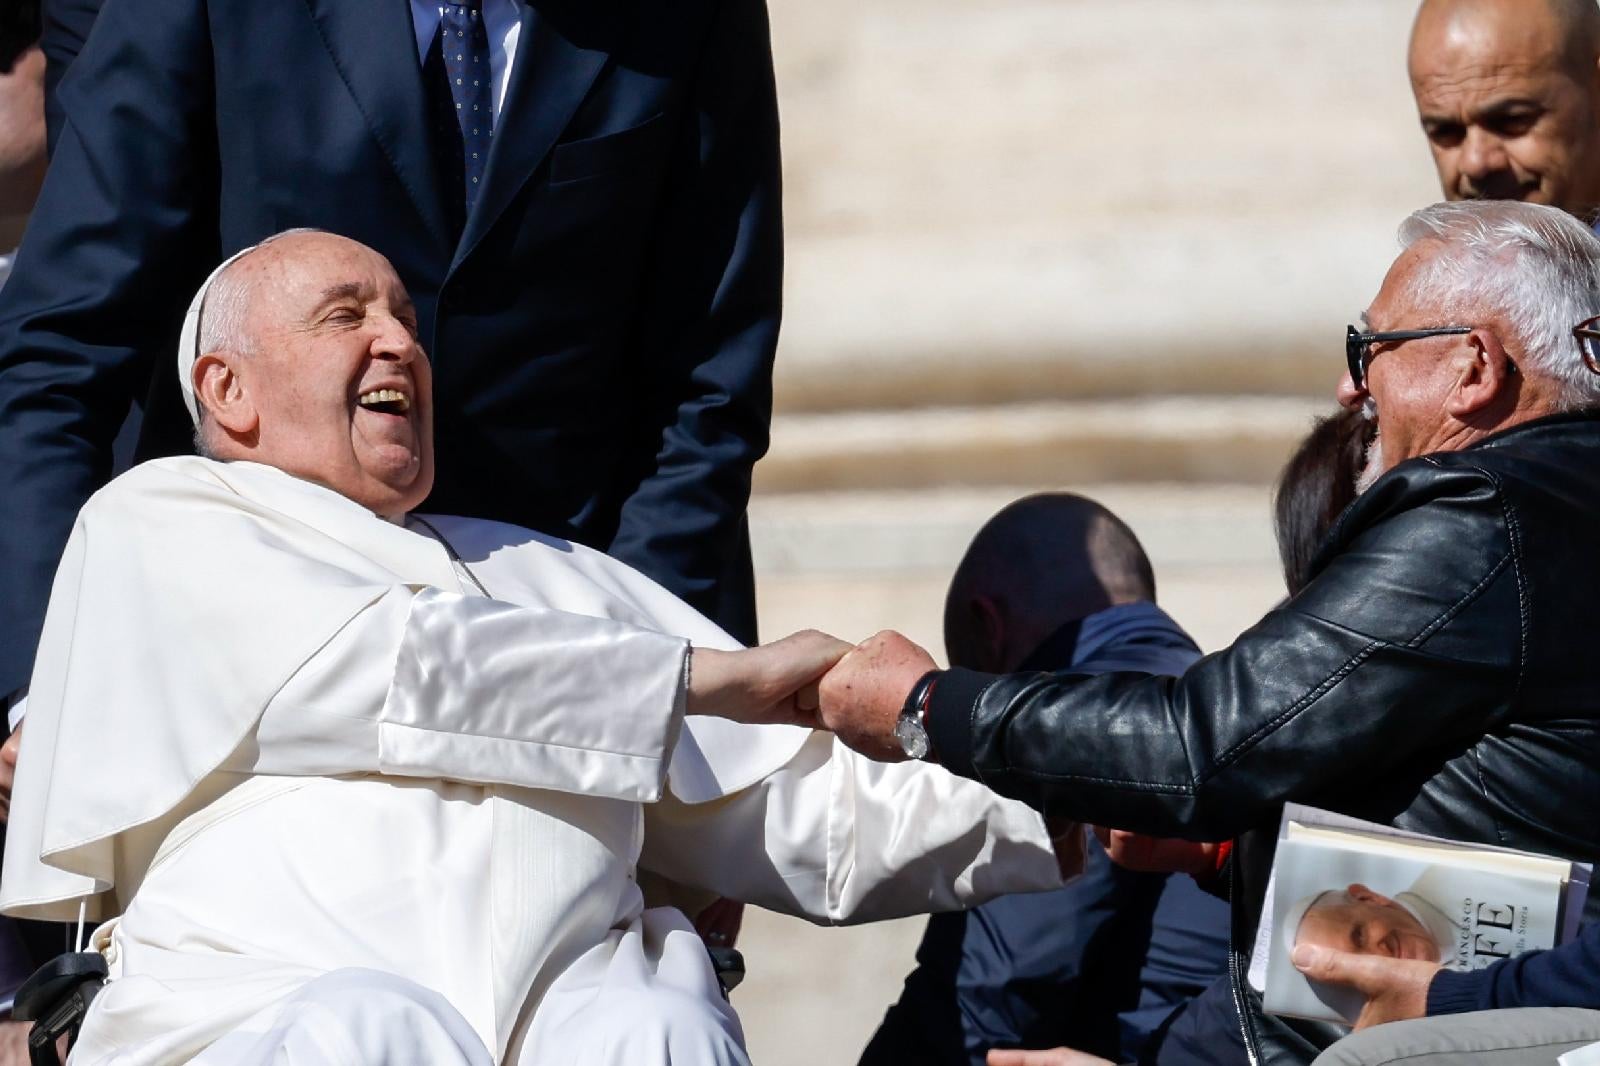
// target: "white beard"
[[1372, 462], [1374, 467]]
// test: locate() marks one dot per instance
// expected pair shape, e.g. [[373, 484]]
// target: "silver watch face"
[[912, 737]]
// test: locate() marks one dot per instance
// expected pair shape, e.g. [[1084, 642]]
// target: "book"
[[1366, 888]]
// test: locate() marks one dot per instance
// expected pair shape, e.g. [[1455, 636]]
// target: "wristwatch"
[[911, 728]]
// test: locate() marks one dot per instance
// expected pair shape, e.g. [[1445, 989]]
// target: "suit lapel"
[[374, 48], [548, 82]]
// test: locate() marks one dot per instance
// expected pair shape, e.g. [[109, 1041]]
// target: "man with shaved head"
[[1057, 582], [1508, 92], [1043, 562], [346, 783]]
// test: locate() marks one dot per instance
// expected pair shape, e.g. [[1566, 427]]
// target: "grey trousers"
[[1534, 1036]]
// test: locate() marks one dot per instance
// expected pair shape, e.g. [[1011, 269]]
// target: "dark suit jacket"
[[602, 332]]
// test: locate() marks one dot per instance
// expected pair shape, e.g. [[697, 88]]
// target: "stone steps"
[[1205, 439]]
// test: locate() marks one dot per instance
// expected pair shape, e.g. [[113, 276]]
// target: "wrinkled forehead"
[[295, 275], [1402, 294]]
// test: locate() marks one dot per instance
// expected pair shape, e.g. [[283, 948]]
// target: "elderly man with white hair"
[[347, 784], [1437, 670]]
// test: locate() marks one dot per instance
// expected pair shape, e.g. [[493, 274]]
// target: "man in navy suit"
[[1056, 582], [591, 231]]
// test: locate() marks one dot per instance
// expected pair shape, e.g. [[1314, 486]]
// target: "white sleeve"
[[838, 838], [433, 684]]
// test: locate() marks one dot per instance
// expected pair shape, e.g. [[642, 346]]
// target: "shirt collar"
[[1137, 637]]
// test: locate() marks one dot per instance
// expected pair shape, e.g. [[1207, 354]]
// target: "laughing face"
[[335, 387]]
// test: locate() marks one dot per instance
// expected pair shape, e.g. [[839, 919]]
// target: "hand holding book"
[[1359, 916], [1394, 989]]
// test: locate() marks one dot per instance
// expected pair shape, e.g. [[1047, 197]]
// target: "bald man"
[[1508, 93], [1057, 582]]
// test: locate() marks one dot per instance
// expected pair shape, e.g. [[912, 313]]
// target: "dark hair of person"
[[1316, 485], [19, 30]]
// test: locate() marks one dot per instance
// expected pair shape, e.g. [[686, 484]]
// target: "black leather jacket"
[[1441, 672]]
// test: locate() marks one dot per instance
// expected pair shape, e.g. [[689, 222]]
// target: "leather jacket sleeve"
[[1412, 633]]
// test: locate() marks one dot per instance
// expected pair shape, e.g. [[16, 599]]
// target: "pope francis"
[[344, 784]]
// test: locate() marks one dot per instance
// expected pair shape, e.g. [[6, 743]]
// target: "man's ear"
[[1364, 894], [1482, 372], [218, 389], [989, 630]]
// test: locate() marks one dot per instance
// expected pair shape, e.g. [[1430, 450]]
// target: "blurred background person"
[[1508, 92], [1317, 484], [22, 156], [1056, 582]]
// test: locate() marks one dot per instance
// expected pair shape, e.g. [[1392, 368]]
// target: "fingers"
[[815, 646], [818, 681], [800, 659], [1395, 989], [807, 700], [773, 684], [797, 664], [1131, 851], [1371, 975], [1359, 972]]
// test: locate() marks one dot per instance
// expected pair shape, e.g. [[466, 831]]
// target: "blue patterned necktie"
[[462, 58]]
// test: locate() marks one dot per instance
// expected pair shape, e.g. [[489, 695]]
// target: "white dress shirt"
[[502, 21]]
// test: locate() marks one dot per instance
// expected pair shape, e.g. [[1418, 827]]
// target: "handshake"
[[855, 692], [812, 679]]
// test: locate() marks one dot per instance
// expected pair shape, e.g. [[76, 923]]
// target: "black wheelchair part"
[[55, 999]]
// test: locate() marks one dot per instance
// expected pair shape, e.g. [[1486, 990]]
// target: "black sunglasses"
[[1588, 334], [1357, 343]]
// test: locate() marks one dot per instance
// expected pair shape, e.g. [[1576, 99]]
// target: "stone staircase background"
[[1017, 202]]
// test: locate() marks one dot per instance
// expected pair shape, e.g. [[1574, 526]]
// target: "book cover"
[[1373, 890]]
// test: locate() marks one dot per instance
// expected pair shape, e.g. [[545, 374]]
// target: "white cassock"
[[302, 768]]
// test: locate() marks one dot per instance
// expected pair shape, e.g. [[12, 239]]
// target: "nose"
[[1482, 155], [393, 342], [1350, 395]]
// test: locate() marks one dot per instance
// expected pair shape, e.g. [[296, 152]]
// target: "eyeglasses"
[[1356, 344], [1588, 334]]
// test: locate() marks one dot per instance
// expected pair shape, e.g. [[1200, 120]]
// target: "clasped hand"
[[814, 680]]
